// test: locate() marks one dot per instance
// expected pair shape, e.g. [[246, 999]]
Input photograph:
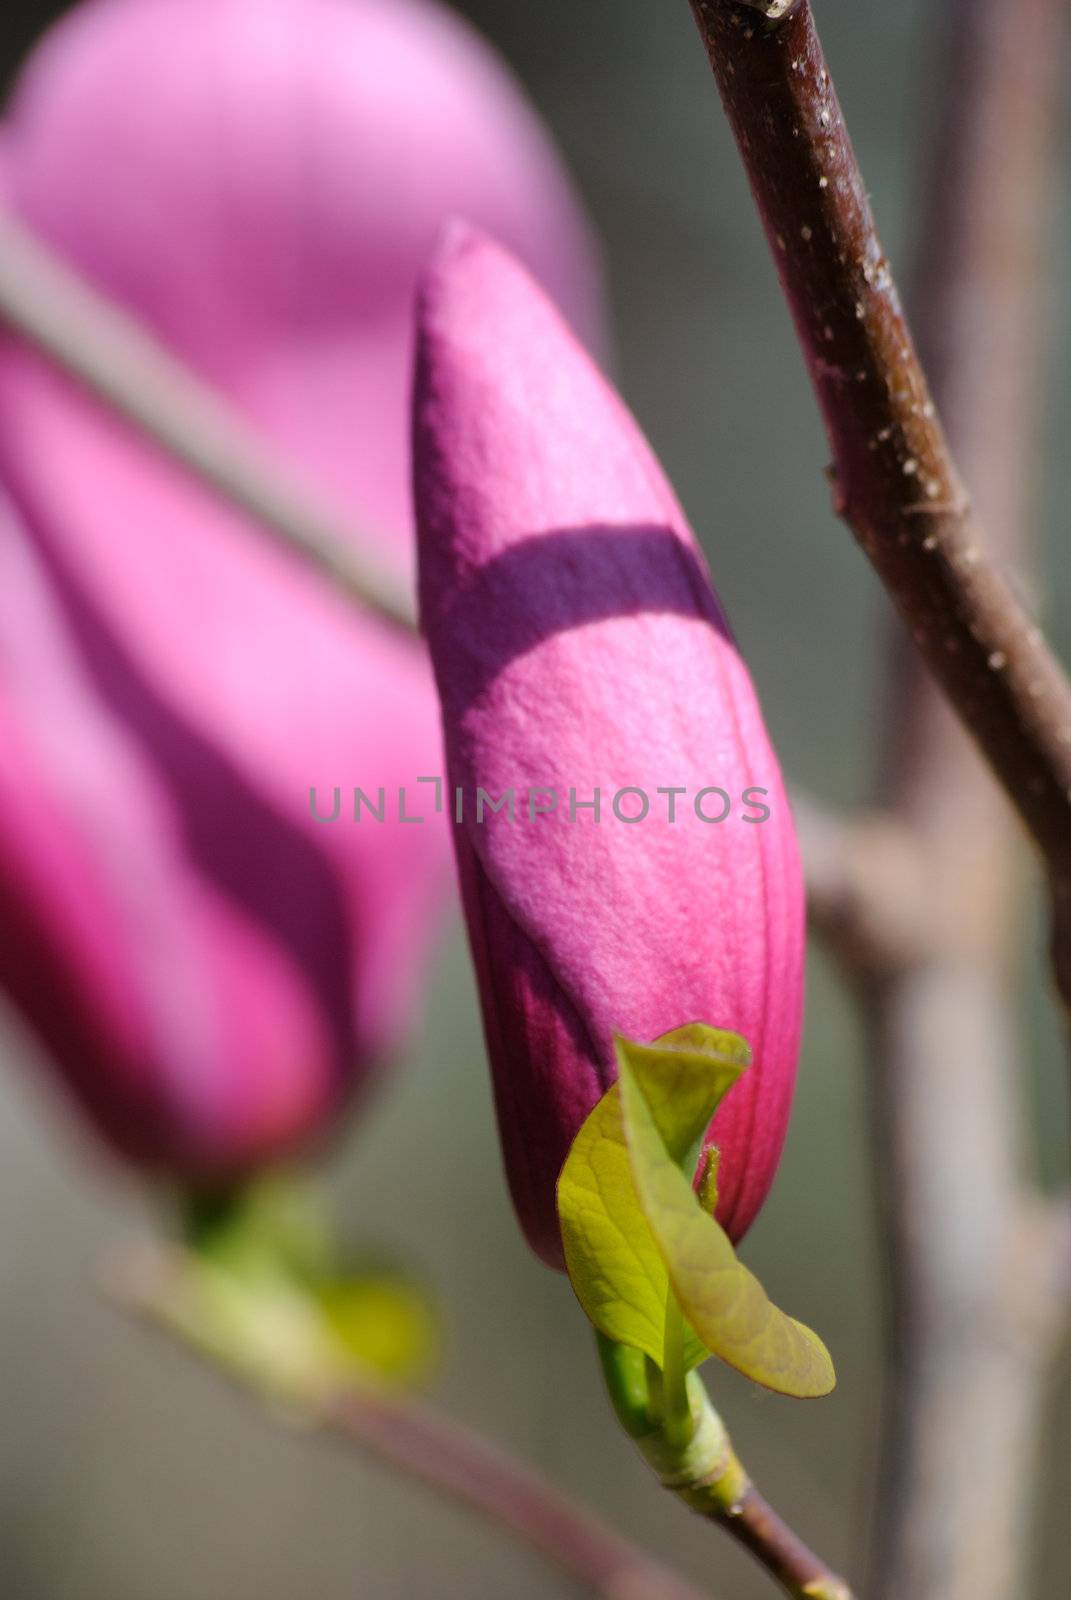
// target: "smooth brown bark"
[[895, 481]]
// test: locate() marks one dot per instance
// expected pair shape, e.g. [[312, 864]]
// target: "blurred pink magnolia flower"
[[578, 647], [258, 180]]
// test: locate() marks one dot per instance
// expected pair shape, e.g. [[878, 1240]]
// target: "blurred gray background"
[[125, 1470]]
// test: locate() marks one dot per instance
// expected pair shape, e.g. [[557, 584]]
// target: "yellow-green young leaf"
[[275, 1261], [694, 1068], [385, 1323], [723, 1302], [613, 1260]]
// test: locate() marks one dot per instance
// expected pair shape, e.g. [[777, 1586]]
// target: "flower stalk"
[[699, 1465]]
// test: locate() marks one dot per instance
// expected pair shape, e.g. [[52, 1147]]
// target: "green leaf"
[[275, 1266], [611, 1254], [725, 1304], [634, 1230]]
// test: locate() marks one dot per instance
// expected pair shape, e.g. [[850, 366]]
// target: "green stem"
[[625, 1374], [694, 1459], [677, 1422]]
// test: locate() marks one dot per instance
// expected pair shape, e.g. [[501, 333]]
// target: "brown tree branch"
[[754, 1523], [975, 1292], [895, 481], [176, 1292], [112, 355], [977, 1264]]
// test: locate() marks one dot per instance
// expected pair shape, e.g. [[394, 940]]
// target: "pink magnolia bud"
[[212, 969], [579, 648]]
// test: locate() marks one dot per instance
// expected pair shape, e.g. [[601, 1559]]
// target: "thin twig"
[[759, 1528], [167, 1289], [116, 358], [895, 480]]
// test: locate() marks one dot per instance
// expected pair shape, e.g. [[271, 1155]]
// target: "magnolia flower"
[[258, 180], [582, 657]]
